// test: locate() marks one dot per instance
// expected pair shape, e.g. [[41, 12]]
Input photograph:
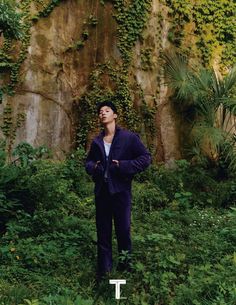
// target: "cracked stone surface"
[[52, 75]]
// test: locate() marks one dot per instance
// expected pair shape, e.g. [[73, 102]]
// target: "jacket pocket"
[[98, 172]]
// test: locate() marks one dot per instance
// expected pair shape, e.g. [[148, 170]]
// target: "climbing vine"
[[9, 126], [13, 62], [131, 19], [146, 59], [15, 28], [46, 8], [117, 91], [91, 22], [10, 24], [212, 23]]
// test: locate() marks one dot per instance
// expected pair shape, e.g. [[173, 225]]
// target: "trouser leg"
[[104, 231], [122, 219]]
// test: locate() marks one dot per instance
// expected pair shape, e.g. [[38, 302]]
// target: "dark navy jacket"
[[128, 149]]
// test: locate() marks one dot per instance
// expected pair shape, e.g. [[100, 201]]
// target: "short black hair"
[[108, 104]]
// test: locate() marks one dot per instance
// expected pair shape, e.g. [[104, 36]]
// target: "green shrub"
[[10, 20], [183, 235], [184, 179], [147, 196]]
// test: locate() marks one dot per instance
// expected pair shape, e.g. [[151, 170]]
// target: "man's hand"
[[116, 161], [96, 164]]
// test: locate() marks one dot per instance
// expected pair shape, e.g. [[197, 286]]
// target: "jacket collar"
[[99, 139], [102, 133]]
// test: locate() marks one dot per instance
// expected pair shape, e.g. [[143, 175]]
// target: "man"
[[115, 156]]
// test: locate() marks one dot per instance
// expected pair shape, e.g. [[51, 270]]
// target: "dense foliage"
[[10, 20], [210, 27], [202, 29], [182, 226], [206, 102]]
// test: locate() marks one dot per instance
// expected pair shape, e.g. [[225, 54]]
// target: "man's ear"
[[115, 116]]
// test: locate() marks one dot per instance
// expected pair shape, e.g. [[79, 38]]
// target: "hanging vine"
[[131, 18], [118, 91], [213, 27], [211, 22]]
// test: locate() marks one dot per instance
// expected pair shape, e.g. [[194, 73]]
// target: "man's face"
[[106, 115]]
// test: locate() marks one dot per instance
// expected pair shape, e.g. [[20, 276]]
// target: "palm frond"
[[217, 86], [205, 109], [230, 81], [204, 80], [207, 136], [179, 75], [200, 88], [211, 97], [228, 153], [229, 103], [194, 152]]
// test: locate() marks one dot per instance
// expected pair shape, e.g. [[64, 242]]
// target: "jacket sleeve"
[[141, 160], [91, 162]]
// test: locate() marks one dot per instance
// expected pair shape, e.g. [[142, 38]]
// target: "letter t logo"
[[118, 283]]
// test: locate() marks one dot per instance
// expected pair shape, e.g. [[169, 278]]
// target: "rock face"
[[151, 80], [64, 49]]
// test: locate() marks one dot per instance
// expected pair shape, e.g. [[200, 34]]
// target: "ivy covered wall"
[[205, 29], [67, 55]]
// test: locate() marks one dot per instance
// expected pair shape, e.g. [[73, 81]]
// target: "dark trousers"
[[117, 206]]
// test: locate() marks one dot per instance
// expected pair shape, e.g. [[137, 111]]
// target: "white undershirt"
[[107, 147], [107, 151]]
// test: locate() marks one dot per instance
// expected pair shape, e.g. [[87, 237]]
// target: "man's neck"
[[110, 129]]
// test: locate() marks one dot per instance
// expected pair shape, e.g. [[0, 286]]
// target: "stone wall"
[[54, 74]]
